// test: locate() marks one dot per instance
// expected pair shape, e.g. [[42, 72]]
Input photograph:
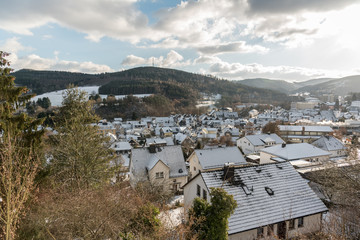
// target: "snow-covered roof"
[[171, 156], [295, 151], [121, 146], [306, 128], [216, 157], [266, 194], [329, 143], [261, 139]]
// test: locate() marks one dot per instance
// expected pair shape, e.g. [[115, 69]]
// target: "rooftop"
[[266, 194]]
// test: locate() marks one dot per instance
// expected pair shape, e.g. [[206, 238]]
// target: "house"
[[121, 147], [214, 158], [332, 145], [105, 128], [253, 143], [273, 200], [160, 165], [297, 134], [301, 152]]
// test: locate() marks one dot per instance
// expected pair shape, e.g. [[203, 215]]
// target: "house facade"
[[162, 166], [332, 145]]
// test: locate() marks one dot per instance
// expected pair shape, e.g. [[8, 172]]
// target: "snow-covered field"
[[56, 97]]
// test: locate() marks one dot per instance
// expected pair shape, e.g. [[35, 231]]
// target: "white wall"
[[190, 191], [194, 165]]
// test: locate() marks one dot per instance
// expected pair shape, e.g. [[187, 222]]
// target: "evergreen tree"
[[19, 150], [80, 155], [210, 220]]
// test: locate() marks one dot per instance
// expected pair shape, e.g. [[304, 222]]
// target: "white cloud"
[[239, 47], [33, 61], [189, 24], [132, 60], [117, 19], [172, 59], [36, 62]]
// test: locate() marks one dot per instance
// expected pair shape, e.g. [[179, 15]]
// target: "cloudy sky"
[[232, 39]]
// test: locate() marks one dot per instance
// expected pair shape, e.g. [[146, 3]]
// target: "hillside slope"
[[339, 86], [276, 85], [174, 84]]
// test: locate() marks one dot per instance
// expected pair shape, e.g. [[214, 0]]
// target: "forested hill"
[[47, 81], [176, 84], [171, 83]]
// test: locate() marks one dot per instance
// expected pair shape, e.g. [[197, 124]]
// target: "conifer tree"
[[19, 149], [81, 156]]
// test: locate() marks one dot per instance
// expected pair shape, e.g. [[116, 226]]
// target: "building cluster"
[[189, 154]]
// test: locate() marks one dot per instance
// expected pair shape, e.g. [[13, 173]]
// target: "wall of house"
[[159, 167], [265, 158], [180, 180], [190, 191], [248, 235], [245, 146], [312, 223], [194, 165], [338, 153]]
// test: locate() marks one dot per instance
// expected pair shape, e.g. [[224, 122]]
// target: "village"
[[266, 160]]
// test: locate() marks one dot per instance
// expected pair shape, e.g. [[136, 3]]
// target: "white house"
[[273, 200], [332, 145], [253, 143], [214, 158]]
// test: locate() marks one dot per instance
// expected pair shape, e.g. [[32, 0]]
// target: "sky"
[[293, 40]]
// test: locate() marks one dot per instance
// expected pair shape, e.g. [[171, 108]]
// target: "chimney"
[[152, 148], [303, 131], [283, 145], [228, 171]]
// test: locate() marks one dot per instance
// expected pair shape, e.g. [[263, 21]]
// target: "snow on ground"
[[178, 198], [172, 218], [56, 97]]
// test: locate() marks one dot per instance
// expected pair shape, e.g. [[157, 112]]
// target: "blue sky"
[[293, 40]]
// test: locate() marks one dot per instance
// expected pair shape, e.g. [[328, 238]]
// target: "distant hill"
[[174, 84], [47, 81], [339, 86], [313, 82], [276, 85]]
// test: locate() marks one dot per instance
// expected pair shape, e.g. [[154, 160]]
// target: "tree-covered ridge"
[[173, 84]]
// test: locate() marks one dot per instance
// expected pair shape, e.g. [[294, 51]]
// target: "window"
[[260, 232], [291, 224], [300, 222], [195, 169], [198, 190], [159, 175], [204, 194]]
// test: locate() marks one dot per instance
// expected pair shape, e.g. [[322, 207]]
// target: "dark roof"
[[266, 194]]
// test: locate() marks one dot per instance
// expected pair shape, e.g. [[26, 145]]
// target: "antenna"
[[153, 62]]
